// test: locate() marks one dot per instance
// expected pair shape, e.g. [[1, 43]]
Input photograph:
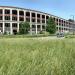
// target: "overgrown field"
[[22, 56]]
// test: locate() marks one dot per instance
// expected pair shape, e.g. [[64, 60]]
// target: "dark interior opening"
[[33, 14], [14, 32], [21, 13], [43, 16], [38, 15], [47, 17], [1, 11], [14, 12], [7, 11], [27, 13]]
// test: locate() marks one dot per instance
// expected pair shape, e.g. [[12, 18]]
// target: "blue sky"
[[61, 8]]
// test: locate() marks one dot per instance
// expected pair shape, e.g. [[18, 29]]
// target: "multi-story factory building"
[[11, 17]]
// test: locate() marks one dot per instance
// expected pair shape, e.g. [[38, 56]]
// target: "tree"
[[71, 20], [51, 26], [24, 27]]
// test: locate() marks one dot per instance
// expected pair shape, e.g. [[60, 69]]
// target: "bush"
[[70, 36]]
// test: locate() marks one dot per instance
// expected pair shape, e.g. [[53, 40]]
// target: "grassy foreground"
[[21, 56]]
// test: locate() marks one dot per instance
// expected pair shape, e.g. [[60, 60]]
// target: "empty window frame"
[[14, 18], [7, 17], [54, 19], [33, 20], [43, 16], [38, 15], [27, 13], [14, 24], [21, 13], [7, 24], [28, 19], [21, 19], [1, 17], [14, 12], [47, 17], [38, 20], [1, 11], [43, 26], [33, 26], [43, 21], [33, 14], [56, 28], [59, 20], [38, 26], [7, 11], [1, 24]]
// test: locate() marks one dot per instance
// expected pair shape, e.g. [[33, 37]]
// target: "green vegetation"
[[23, 56], [70, 36], [26, 36], [24, 28], [51, 26]]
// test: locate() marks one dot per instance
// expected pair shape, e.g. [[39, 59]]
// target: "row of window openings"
[[14, 12], [62, 28], [8, 25], [33, 26], [15, 25], [27, 14], [21, 19], [38, 26]]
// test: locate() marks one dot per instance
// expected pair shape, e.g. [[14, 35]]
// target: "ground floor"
[[13, 28]]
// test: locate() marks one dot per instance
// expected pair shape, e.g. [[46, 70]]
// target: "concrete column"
[[3, 21], [24, 16], [18, 15], [11, 15], [17, 27], [3, 27], [30, 23], [36, 22], [58, 25], [36, 17], [36, 28], [18, 20], [45, 22], [11, 30], [41, 21]]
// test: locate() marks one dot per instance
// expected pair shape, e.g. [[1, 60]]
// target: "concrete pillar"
[[3, 27], [24, 16], [11, 30], [36, 28], [41, 21], [30, 23], [18, 20], [10, 14], [18, 15], [41, 27], [3, 21], [36, 17], [17, 27], [36, 22], [58, 25], [45, 22], [31, 29]]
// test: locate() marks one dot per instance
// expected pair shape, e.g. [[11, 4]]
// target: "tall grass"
[[21, 56]]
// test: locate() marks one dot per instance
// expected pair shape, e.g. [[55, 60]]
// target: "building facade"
[[11, 17]]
